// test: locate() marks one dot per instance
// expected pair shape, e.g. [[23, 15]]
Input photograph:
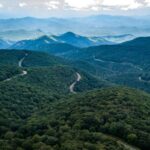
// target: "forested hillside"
[[7, 71], [46, 104], [124, 64], [12, 57], [91, 120]]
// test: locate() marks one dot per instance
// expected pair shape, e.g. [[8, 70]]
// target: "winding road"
[[72, 90], [20, 64], [142, 80], [123, 63], [21, 60], [121, 142], [72, 86]]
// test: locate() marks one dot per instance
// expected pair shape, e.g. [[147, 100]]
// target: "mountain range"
[[4, 44], [71, 90], [68, 38], [104, 25], [38, 109], [122, 64]]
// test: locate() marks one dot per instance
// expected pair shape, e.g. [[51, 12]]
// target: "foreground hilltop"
[[102, 119]]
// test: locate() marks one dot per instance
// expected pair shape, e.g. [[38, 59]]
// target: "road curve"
[[21, 60], [123, 63], [20, 64], [72, 86], [121, 142], [142, 80]]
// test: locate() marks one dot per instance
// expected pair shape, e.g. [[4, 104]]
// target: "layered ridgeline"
[[69, 38], [22, 28], [123, 64], [38, 111]]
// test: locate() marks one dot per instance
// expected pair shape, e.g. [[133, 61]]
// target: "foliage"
[[7, 71], [37, 111]]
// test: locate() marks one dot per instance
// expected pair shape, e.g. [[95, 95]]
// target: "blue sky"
[[69, 8]]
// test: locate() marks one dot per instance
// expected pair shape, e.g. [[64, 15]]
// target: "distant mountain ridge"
[[92, 25], [20, 34], [119, 38], [140, 41], [5, 43], [82, 41], [66, 38]]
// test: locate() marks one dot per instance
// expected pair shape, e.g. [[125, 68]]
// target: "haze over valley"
[[74, 75]]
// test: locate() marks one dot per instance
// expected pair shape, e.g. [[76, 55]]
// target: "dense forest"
[[8, 71], [38, 111], [92, 120], [124, 64]]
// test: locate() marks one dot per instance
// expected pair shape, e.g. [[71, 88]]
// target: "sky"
[[72, 8]]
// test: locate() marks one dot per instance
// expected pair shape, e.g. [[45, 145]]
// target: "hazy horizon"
[[71, 8]]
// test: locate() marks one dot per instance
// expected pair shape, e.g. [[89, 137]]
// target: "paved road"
[[20, 64], [121, 142], [142, 80], [123, 63], [72, 86]]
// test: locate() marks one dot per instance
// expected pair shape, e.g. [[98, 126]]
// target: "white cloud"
[[95, 8], [22, 4], [81, 4], [147, 2], [1, 5], [52, 4], [123, 4], [96, 5]]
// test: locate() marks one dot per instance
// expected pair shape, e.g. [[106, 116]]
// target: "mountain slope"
[[37, 110], [113, 112], [4, 44], [7, 71], [69, 39], [101, 119], [46, 71], [81, 41], [141, 41], [121, 64], [12, 57], [33, 44]]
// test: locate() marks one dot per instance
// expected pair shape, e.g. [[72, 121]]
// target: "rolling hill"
[[12, 57], [39, 111], [121, 64], [102, 119], [45, 71]]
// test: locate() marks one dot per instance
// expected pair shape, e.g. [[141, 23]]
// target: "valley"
[[71, 90]]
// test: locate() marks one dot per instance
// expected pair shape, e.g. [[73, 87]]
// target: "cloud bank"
[[49, 6]]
